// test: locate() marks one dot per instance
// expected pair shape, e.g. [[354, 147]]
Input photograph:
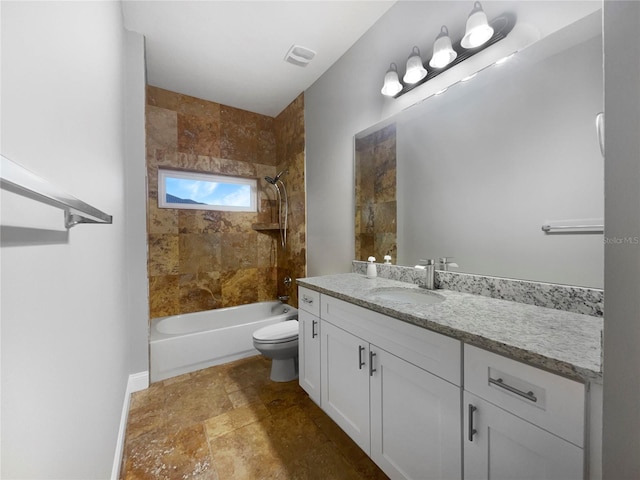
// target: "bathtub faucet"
[[283, 298]]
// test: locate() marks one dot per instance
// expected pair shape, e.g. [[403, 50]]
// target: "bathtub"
[[192, 341]]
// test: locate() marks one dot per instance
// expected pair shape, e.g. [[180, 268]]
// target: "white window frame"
[[163, 173]]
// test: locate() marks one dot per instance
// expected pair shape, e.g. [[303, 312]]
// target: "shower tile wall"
[[376, 217], [201, 259], [290, 141]]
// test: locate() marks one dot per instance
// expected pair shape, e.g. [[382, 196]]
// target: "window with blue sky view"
[[195, 190]]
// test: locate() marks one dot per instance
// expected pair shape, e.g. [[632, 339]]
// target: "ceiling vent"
[[300, 56]]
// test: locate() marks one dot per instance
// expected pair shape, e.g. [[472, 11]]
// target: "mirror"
[[474, 173]]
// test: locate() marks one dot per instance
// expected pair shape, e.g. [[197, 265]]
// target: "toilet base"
[[284, 370]]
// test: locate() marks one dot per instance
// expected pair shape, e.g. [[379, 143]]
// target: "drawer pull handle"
[[500, 383], [314, 332], [472, 431], [360, 362], [371, 369], [307, 300]]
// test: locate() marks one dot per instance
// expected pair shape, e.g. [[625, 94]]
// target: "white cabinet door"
[[309, 354], [415, 421], [501, 446], [345, 382]]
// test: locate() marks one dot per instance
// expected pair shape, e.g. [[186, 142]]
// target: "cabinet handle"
[[500, 383], [308, 300], [360, 362], [472, 431], [314, 333], [371, 369]]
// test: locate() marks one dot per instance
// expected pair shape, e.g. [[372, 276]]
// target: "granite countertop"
[[562, 342]]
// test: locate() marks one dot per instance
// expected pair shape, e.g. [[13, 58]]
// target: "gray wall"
[[136, 198], [621, 442], [347, 99], [68, 344]]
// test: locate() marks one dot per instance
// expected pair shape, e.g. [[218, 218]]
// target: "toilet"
[[279, 342]]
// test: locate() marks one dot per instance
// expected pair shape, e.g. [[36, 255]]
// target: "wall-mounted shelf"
[[265, 226], [17, 179]]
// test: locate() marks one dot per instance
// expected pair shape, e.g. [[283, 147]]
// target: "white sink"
[[407, 295]]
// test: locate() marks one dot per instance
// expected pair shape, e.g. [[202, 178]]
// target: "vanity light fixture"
[[392, 85], [443, 52], [415, 70], [446, 54], [478, 30]]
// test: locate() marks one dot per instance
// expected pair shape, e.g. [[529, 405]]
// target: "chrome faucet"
[[283, 304], [429, 272], [445, 263]]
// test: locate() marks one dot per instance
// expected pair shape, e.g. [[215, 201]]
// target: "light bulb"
[[392, 85], [443, 52], [415, 70], [478, 31]]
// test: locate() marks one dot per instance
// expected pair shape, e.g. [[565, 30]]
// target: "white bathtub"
[[192, 341]]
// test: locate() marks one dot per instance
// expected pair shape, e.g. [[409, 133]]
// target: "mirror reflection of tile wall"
[[376, 216]]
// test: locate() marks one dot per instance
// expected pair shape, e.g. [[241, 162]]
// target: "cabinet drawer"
[[309, 301], [428, 350], [554, 403]]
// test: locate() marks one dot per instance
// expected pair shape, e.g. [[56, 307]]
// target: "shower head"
[[273, 180], [282, 172]]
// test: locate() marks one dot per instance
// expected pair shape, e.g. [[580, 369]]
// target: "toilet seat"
[[277, 333]]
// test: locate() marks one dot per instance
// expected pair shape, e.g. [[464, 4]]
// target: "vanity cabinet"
[[376, 387], [397, 390], [309, 342], [520, 422]]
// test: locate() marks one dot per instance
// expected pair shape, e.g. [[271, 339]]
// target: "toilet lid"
[[280, 331]]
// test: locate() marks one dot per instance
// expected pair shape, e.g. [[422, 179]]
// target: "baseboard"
[[135, 383], [138, 381]]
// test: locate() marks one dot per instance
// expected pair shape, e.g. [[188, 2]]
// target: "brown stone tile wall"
[[376, 215], [202, 259], [290, 144]]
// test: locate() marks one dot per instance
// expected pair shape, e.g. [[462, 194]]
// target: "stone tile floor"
[[232, 422]]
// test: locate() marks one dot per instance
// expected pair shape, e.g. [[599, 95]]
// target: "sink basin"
[[407, 295]]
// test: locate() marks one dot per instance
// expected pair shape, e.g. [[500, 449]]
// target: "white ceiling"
[[232, 52]]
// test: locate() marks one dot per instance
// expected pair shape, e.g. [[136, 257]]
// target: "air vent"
[[300, 56]]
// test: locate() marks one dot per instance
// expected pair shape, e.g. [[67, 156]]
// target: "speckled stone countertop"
[[561, 342]]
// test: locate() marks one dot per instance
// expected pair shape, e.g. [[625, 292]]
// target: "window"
[[205, 191]]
